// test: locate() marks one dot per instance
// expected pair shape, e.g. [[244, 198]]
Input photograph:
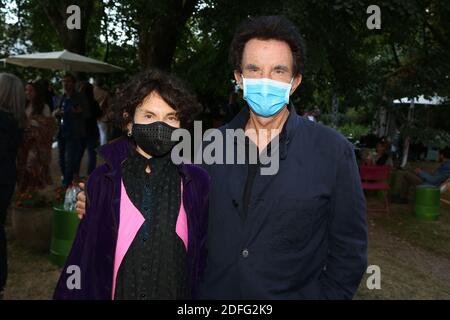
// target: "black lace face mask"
[[154, 138]]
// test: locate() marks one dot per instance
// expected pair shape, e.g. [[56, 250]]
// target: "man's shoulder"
[[321, 134], [318, 129]]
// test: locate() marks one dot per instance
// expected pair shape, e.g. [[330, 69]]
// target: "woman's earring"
[[129, 134]]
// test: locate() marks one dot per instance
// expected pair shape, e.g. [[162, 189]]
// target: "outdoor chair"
[[376, 178]]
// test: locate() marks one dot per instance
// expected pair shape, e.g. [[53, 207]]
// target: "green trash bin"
[[427, 202], [64, 228]]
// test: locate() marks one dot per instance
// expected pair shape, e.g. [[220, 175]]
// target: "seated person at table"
[[406, 179], [381, 156]]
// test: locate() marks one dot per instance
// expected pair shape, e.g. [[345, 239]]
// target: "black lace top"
[[155, 265]]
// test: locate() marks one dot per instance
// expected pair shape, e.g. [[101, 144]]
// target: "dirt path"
[[407, 271]]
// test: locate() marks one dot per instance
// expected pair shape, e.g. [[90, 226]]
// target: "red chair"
[[376, 178]]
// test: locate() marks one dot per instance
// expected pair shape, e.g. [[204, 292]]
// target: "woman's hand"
[[81, 202]]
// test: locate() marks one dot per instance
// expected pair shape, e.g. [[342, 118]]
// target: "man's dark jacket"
[[298, 234]]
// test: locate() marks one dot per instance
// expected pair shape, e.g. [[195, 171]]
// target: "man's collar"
[[289, 127]]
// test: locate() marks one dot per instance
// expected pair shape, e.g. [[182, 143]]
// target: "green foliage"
[[365, 68], [355, 131], [427, 136]]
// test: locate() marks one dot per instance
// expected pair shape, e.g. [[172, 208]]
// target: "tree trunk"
[[158, 37], [72, 40]]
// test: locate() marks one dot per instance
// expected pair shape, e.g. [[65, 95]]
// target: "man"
[[407, 179], [72, 114], [300, 233]]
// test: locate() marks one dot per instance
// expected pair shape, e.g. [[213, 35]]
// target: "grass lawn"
[[413, 254]]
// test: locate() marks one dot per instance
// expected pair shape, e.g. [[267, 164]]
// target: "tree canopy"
[[359, 67]]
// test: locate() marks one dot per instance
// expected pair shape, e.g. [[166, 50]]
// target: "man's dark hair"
[[445, 152], [268, 28], [71, 76], [171, 89]]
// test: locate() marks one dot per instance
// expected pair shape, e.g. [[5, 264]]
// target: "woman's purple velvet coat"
[[94, 247]]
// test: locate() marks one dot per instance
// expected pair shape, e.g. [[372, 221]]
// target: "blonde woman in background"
[[12, 122]]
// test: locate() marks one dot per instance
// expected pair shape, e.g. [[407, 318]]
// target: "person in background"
[[36, 104], [113, 131], [381, 157], [35, 151], [102, 98], [12, 122], [72, 114], [407, 179], [90, 142]]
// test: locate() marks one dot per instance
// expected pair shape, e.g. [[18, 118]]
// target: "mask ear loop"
[[288, 93], [243, 85]]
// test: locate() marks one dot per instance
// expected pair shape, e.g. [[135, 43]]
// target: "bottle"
[[67, 198], [75, 190]]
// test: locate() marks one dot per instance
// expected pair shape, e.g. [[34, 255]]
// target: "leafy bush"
[[355, 131], [427, 136]]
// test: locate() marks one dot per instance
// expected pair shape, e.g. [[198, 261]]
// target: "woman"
[[35, 101], [35, 151], [143, 236], [12, 120]]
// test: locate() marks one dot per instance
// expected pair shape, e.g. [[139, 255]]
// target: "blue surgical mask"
[[266, 97]]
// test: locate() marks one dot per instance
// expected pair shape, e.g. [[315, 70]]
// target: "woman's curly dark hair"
[[171, 89]]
